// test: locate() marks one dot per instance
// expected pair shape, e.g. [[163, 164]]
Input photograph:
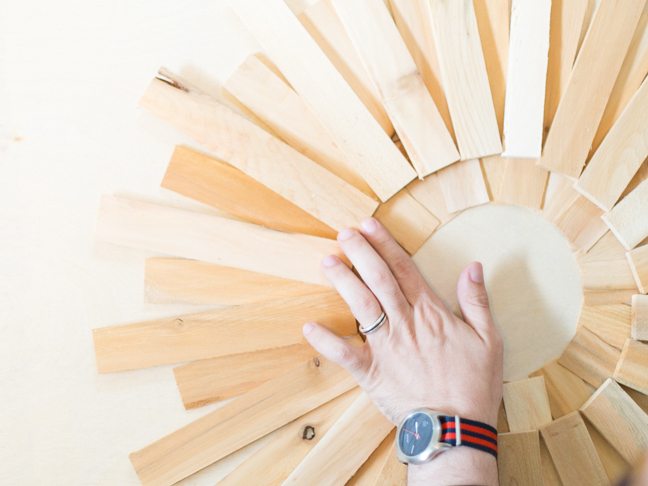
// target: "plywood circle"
[[532, 278]]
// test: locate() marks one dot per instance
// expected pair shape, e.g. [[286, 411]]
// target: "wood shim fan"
[[355, 99]]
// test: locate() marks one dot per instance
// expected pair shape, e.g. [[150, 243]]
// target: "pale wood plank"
[[369, 473], [463, 185], [640, 317], [518, 461], [638, 260], [428, 192], [326, 93], [581, 222], [632, 368], [590, 358], [566, 391], [502, 421], [611, 323], [527, 404], [609, 296], [559, 197], [616, 467], [393, 473], [213, 239], [240, 422], [523, 183], [628, 220], [549, 473]]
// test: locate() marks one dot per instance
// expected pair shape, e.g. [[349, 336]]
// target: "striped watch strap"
[[471, 434]]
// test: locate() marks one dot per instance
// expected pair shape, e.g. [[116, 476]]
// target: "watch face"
[[416, 434]]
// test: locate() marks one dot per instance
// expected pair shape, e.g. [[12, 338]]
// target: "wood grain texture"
[[581, 222], [213, 239], [550, 475], [527, 404], [566, 391], [559, 197], [370, 472], [611, 323], [590, 84], [632, 368], [628, 220], [393, 473], [616, 467], [463, 185], [573, 452], [619, 419], [218, 332], [428, 192], [502, 421], [260, 155], [240, 422], [639, 318], [523, 184], [638, 260], [518, 461], [590, 358], [324, 90]]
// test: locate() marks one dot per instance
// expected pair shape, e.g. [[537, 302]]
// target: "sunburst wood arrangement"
[[349, 103]]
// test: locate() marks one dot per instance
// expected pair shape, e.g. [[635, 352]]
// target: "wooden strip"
[[638, 260], [582, 224], [628, 220], [549, 472], [523, 183], [260, 155], [619, 419], [219, 332], [527, 404], [527, 74], [465, 78], [518, 461], [348, 444], [212, 380], [603, 297], [573, 452], [407, 220], [559, 197], [632, 369], [611, 323], [597, 66], [640, 317], [590, 358], [369, 473], [393, 473], [240, 422], [463, 185], [428, 192], [411, 109], [327, 94], [616, 467], [272, 464], [213, 239], [566, 391], [502, 421]]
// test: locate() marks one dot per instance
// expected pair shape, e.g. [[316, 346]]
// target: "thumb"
[[336, 349], [473, 299]]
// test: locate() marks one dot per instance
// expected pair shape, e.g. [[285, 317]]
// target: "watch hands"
[[413, 433]]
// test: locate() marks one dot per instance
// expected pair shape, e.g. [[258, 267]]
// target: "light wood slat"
[[347, 445], [518, 459], [597, 66], [632, 368], [582, 223], [502, 421], [272, 464], [611, 323], [638, 260], [324, 26], [212, 380], [628, 220], [559, 197], [526, 78], [640, 176], [590, 358], [619, 419], [549, 473], [523, 183], [587, 21], [463, 185], [607, 296], [573, 452], [638, 397], [616, 467], [407, 220], [326, 93], [219, 332], [527, 404], [271, 99], [566, 391], [213, 239], [260, 155], [181, 281], [465, 79], [640, 317], [369, 473], [240, 422], [494, 168], [393, 473], [428, 192]]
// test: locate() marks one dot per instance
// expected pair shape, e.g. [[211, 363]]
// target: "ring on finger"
[[375, 326]]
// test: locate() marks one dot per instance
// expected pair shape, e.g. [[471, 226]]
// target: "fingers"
[[336, 349], [473, 299]]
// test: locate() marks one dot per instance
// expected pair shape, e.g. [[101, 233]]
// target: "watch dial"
[[416, 434]]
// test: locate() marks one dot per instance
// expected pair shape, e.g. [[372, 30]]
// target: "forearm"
[[456, 467]]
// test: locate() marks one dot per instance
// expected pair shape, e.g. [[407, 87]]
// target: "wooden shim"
[[212, 380], [463, 185], [348, 444], [566, 391], [272, 464], [407, 220], [213, 239], [607, 296], [218, 332], [611, 323], [619, 419], [428, 192], [518, 461], [640, 317], [527, 404], [458, 45], [581, 222], [324, 26], [590, 358], [326, 93], [615, 466], [526, 78], [393, 473], [628, 220], [638, 260], [260, 155], [559, 197], [632, 369], [502, 421], [369, 473], [549, 472], [271, 99], [581, 108], [523, 183], [573, 452]]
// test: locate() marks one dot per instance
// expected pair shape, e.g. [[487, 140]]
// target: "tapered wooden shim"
[[428, 192], [566, 391], [348, 444], [502, 421], [213, 239], [463, 185], [260, 155], [549, 472], [619, 419], [573, 452], [590, 358], [523, 183], [518, 461], [465, 79], [638, 260], [597, 66], [527, 404], [240, 422], [611, 323], [393, 473], [616, 467], [632, 369], [628, 220], [218, 332], [640, 317], [271, 465], [327, 94], [581, 222], [559, 197], [369, 473], [212, 380]]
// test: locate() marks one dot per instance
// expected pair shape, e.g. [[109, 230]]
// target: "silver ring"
[[376, 325]]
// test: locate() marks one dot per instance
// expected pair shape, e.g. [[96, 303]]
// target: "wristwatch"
[[424, 434]]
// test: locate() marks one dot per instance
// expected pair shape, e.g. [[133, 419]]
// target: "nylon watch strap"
[[458, 431]]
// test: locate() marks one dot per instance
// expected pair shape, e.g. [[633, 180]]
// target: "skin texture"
[[424, 355]]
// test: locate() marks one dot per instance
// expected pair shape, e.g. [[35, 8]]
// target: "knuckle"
[[381, 277], [366, 306], [479, 299]]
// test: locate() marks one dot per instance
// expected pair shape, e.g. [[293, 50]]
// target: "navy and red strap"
[[471, 434]]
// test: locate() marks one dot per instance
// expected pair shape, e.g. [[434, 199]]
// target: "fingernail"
[[308, 327], [330, 260], [345, 234], [369, 225], [476, 273]]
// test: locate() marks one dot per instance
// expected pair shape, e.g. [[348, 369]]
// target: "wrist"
[[456, 466]]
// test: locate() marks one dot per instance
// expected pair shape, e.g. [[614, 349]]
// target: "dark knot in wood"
[[309, 433]]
